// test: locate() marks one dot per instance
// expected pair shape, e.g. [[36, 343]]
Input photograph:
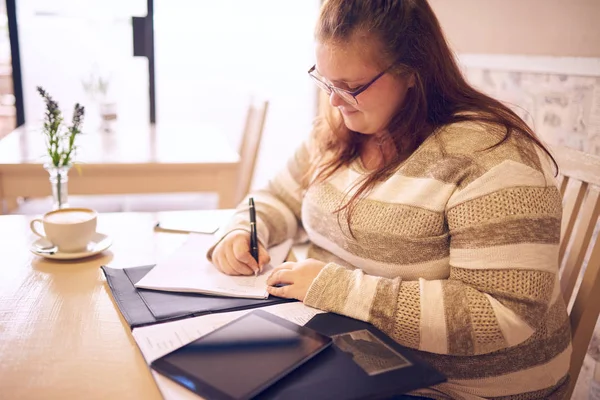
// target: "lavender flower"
[[60, 142]]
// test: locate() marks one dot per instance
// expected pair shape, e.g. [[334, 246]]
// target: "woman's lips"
[[346, 111]]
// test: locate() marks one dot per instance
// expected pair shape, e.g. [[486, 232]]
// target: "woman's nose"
[[335, 99]]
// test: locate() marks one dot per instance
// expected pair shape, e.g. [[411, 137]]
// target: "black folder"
[[337, 374], [333, 374], [141, 307]]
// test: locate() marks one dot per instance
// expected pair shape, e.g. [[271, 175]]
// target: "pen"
[[253, 233]]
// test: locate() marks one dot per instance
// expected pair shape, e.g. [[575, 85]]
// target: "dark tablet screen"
[[242, 358]]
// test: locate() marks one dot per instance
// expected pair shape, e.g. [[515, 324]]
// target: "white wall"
[[542, 57], [533, 27]]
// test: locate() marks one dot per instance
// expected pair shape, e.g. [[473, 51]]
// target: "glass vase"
[[59, 179]]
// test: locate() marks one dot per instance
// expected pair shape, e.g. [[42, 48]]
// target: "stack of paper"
[[188, 270]]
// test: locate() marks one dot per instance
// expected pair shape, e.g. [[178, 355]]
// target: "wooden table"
[[130, 160], [61, 335]]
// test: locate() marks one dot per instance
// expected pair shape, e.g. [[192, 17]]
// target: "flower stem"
[[59, 190]]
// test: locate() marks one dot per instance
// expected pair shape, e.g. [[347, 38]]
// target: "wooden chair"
[[580, 188], [250, 146]]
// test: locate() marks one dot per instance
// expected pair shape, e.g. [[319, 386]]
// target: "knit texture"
[[455, 255]]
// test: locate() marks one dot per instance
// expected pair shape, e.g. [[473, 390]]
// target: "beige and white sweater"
[[455, 255]]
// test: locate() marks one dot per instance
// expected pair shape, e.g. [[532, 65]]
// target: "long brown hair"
[[410, 35]]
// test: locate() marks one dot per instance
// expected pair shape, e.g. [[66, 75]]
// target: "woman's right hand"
[[232, 255]]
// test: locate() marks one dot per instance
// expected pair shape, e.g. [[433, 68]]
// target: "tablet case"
[[141, 307], [234, 370], [334, 374]]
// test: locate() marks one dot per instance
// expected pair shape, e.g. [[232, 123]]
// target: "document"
[[155, 341], [188, 270]]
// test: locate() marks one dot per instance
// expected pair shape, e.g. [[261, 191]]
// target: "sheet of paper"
[[157, 340], [188, 270]]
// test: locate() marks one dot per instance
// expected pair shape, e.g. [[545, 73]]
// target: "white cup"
[[69, 229]]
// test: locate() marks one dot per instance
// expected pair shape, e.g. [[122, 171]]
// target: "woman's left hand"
[[296, 276]]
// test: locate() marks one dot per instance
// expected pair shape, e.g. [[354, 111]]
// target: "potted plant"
[[60, 146], [96, 87]]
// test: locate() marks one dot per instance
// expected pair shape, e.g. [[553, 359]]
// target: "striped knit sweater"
[[455, 255]]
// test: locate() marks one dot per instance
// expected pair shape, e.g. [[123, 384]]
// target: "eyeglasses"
[[347, 95]]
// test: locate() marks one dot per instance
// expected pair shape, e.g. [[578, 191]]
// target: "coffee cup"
[[69, 229]]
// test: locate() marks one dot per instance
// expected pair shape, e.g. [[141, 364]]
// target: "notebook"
[[199, 221], [188, 270], [141, 307]]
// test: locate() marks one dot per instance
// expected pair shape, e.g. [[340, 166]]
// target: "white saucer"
[[98, 244]]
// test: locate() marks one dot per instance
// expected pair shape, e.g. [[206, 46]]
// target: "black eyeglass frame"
[[331, 88]]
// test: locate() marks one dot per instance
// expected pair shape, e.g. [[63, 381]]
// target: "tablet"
[[243, 357]]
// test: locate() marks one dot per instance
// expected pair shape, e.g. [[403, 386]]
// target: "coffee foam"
[[69, 217]]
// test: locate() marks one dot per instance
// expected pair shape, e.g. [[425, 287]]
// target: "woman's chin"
[[356, 125], [352, 121]]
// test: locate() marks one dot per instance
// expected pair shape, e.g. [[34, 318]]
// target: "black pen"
[[253, 234]]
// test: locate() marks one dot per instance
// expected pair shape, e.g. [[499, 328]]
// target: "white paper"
[[157, 340], [188, 270]]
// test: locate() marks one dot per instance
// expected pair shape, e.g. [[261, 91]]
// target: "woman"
[[431, 209]]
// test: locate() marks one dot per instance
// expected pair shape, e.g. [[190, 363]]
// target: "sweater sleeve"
[[277, 205], [503, 235]]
